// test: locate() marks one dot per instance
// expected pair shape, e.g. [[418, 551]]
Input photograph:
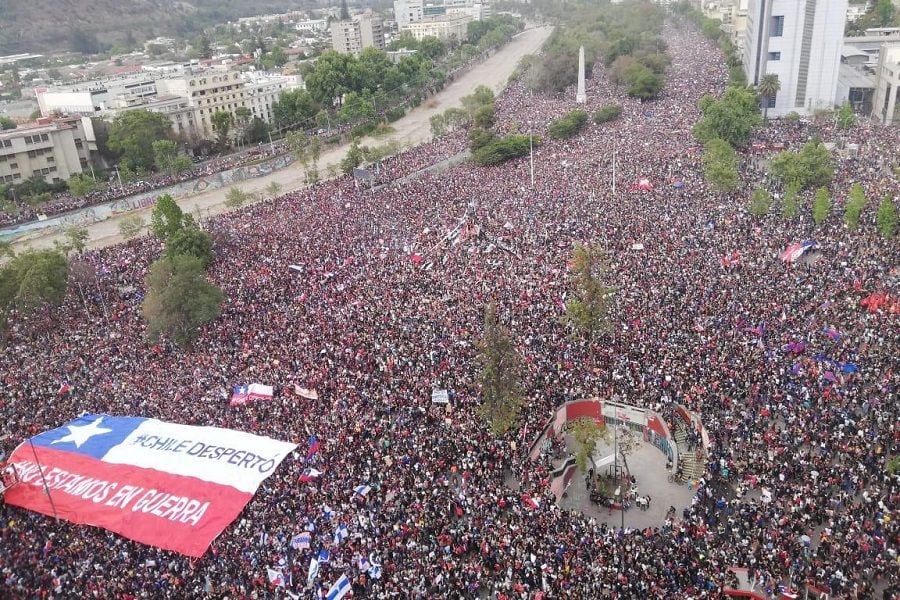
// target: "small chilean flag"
[[65, 388], [309, 475]]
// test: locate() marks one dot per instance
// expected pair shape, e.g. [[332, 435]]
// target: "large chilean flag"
[[163, 484]]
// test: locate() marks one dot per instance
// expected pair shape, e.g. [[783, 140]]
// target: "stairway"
[[691, 468]]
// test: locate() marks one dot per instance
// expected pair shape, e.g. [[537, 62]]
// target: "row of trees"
[[587, 315], [626, 37]]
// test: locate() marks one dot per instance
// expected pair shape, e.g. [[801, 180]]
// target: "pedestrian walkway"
[[648, 465]]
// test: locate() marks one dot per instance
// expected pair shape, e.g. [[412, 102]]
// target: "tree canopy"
[[501, 371], [731, 118], [132, 134], [810, 167], [589, 310], [179, 299], [32, 279], [168, 218]]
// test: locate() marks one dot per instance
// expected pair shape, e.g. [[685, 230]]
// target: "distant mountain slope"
[[52, 25]]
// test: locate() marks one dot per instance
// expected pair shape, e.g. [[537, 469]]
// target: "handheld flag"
[[309, 475], [324, 556], [313, 447], [340, 534], [340, 589], [275, 577], [362, 490]]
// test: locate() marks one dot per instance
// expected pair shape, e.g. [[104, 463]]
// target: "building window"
[[774, 55], [770, 101], [777, 27]]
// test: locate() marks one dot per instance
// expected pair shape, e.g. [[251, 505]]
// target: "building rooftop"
[[852, 77]]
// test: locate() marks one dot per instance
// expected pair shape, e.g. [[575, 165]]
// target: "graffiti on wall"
[[101, 212]]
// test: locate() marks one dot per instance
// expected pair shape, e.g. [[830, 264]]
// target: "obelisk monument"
[[580, 95]]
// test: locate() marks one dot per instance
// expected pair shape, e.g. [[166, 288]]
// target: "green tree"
[[854, 207], [811, 167], [607, 113], [274, 189], [179, 299], [333, 75], [845, 117], [242, 116], [767, 89], [886, 218], [257, 131], [190, 241], [438, 125], [294, 108], [167, 218], [568, 125], [643, 83], [76, 239], [586, 433], [129, 227], [31, 280], [166, 158], [720, 165], [236, 197], [6, 124], [821, 206], [484, 116], [132, 134], [500, 375], [589, 311], [221, 124], [81, 185], [203, 46], [353, 159], [760, 202], [499, 150], [731, 118], [791, 203]]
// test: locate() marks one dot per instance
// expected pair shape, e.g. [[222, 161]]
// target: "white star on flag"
[[79, 434]]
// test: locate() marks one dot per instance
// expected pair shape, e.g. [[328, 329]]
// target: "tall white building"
[[408, 11], [800, 42]]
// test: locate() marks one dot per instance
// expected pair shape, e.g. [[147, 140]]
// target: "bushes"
[[720, 165], [811, 167], [568, 125], [503, 149], [394, 114], [821, 206], [886, 218], [731, 117], [607, 113], [854, 206], [760, 202], [479, 138]]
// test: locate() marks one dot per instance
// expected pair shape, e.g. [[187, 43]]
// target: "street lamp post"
[[531, 151]]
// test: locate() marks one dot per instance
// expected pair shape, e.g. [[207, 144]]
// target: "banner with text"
[[163, 484]]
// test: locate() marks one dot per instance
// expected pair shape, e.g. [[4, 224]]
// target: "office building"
[[800, 42]]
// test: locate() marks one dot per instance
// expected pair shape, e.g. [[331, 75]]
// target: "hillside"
[[46, 26]]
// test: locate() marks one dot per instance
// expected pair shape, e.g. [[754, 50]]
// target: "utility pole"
[[531, 151], [44, 480], [615, 155]]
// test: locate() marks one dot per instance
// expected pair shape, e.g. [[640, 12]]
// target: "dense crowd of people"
[[386, 306], [114, 189]]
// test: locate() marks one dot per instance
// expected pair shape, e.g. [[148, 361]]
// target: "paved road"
[[412, 129]]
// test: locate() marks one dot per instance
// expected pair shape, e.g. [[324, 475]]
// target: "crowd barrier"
[[101, 212]]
